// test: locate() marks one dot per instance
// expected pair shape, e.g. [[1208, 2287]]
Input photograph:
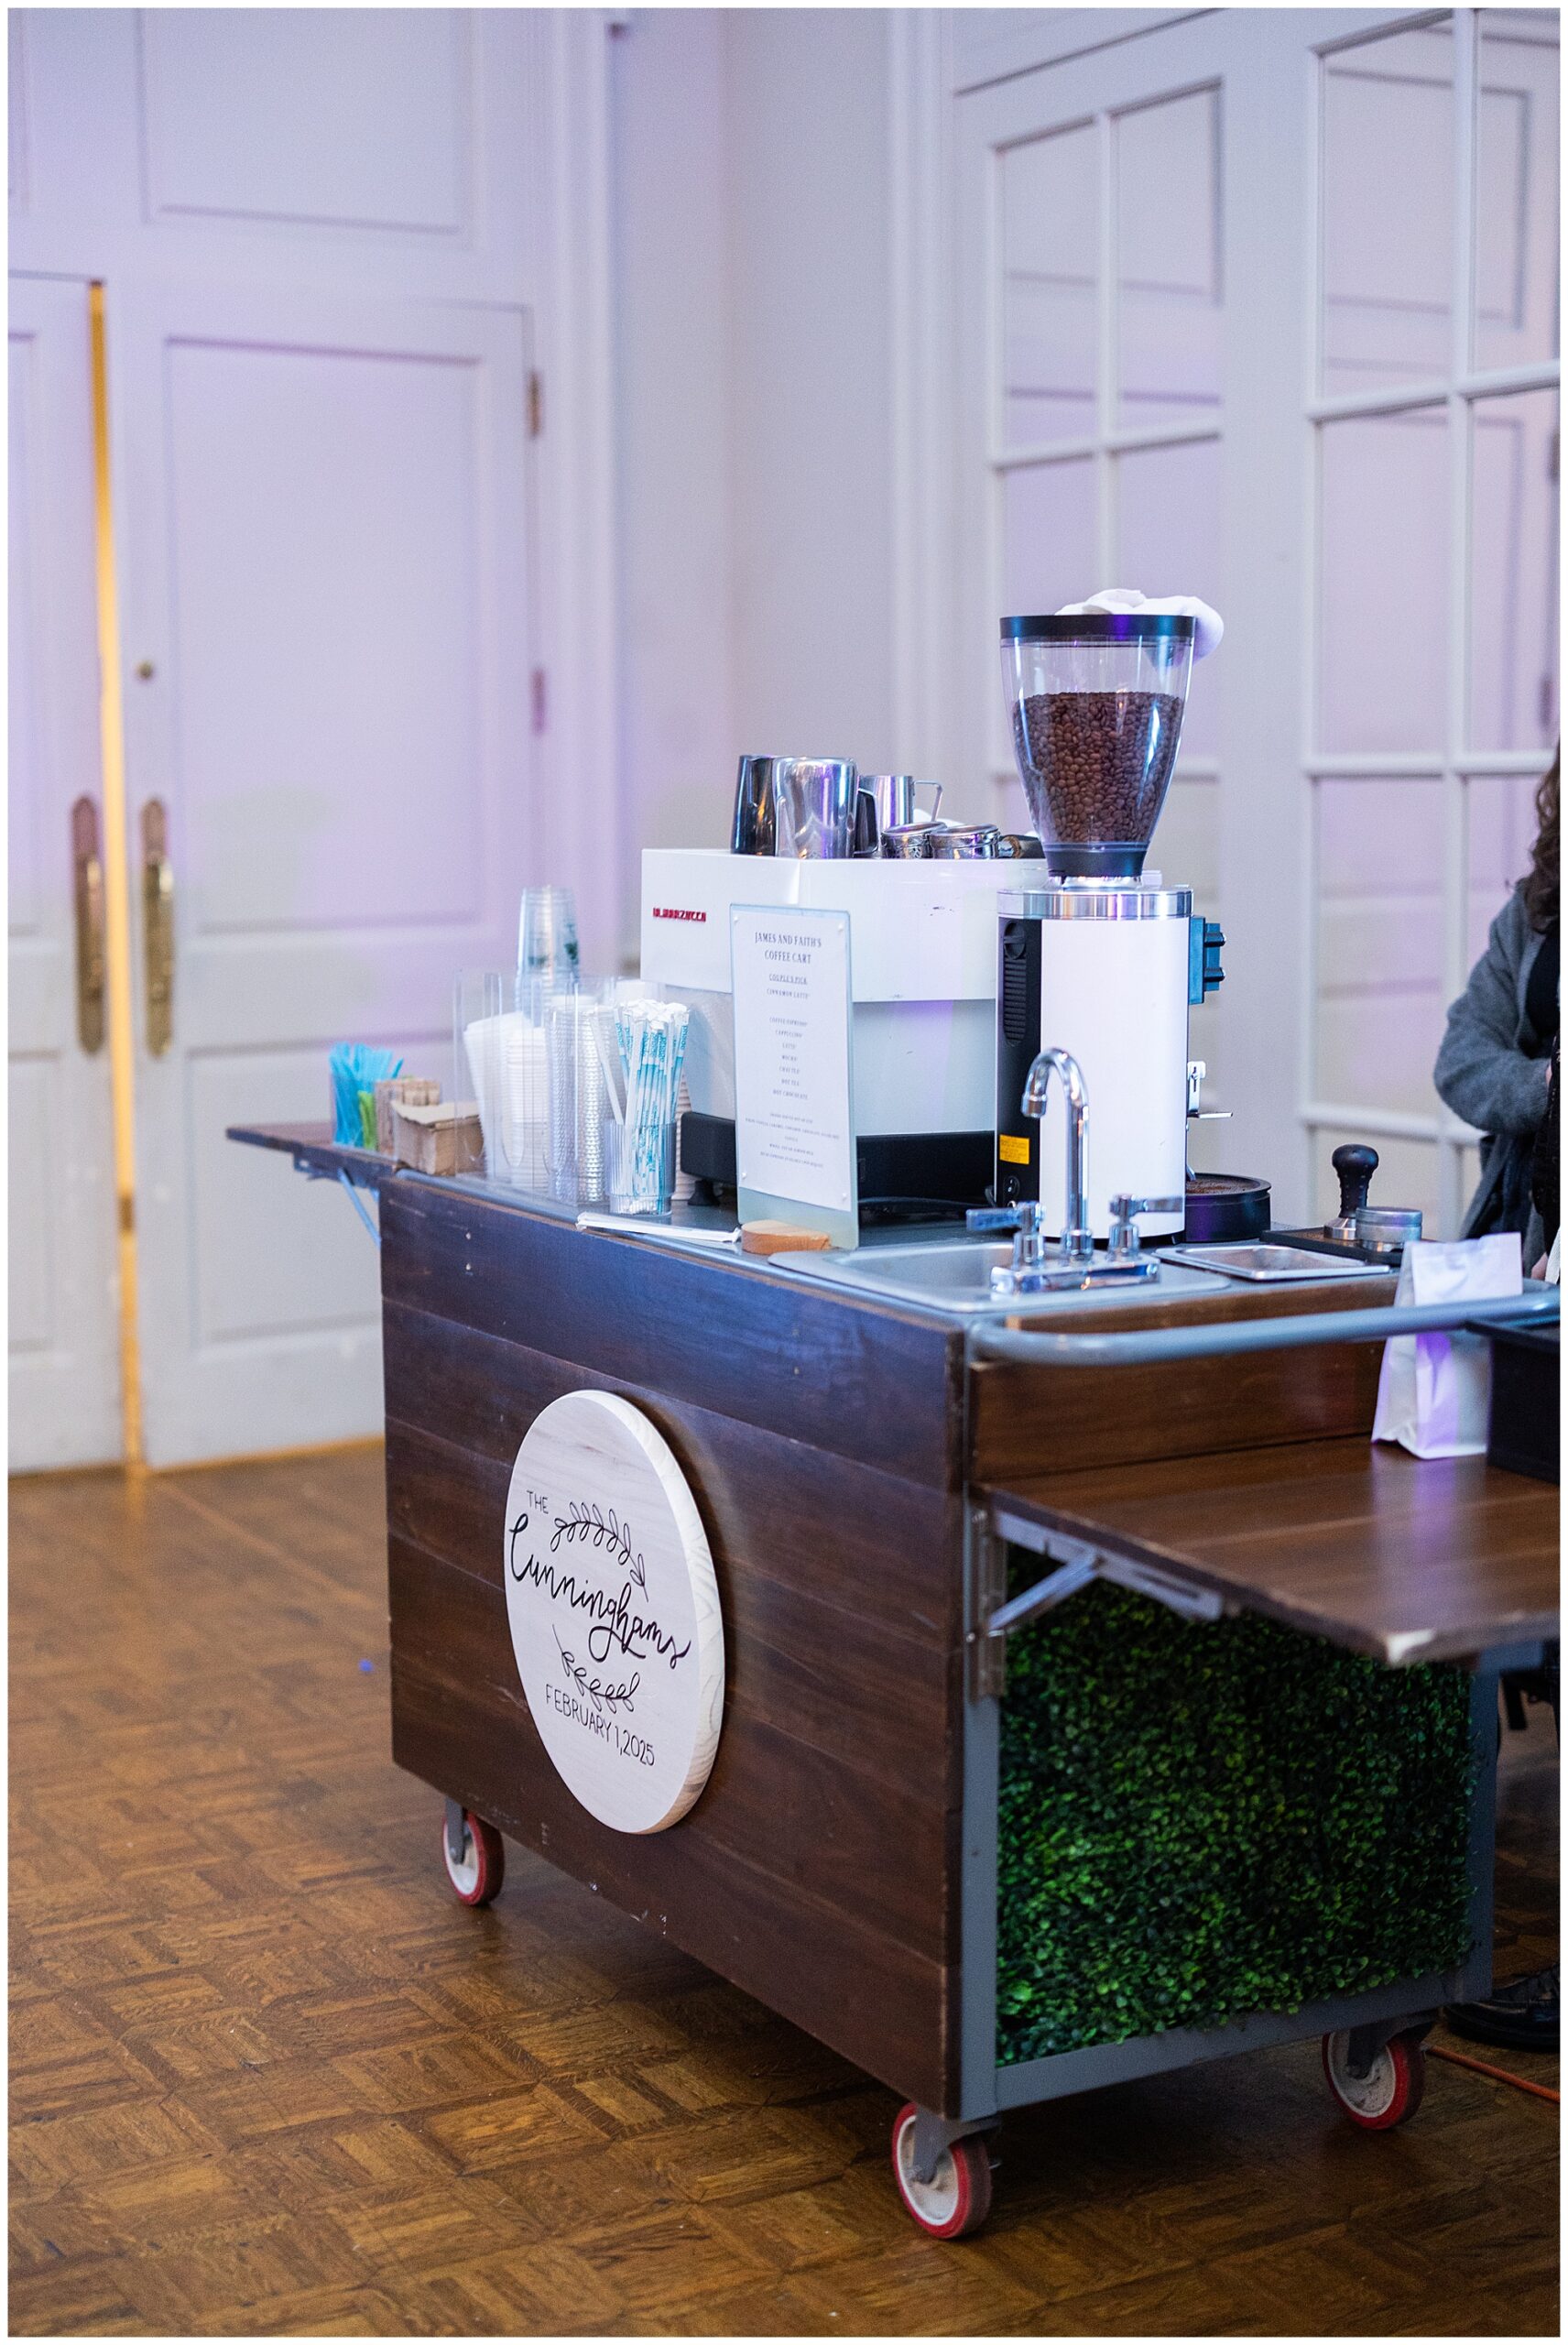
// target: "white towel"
[[1210, 625]]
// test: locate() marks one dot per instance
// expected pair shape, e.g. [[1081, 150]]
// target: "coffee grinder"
[[1098, 957]]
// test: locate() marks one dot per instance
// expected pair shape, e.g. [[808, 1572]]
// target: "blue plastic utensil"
[[356, 1067]]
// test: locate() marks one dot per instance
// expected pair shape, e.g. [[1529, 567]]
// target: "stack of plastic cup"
[[580, 1049], [547, 949]]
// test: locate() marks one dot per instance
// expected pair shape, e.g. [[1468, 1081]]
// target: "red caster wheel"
[[1392, 2089], [957, 2199], [477, 1874]]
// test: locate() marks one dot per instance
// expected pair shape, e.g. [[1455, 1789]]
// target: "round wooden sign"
[[615, 1611]]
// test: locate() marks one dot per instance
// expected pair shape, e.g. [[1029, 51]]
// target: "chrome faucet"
[[1077, 1242], [1072, 1261]]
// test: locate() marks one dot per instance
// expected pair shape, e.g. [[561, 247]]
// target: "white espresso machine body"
[[1103, 973], [923, 973]]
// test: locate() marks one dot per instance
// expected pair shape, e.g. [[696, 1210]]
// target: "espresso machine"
[[922, 895], [1099, 960]]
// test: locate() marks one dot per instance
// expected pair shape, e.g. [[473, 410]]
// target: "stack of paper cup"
[[507, 1060]]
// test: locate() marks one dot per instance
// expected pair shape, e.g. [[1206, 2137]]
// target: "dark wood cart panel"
[[820, 1869], [772, 1800], [790, 1654], [881, 1388], [1027, 1420], [1405, 1558], [876, 1548], [803, 1886]]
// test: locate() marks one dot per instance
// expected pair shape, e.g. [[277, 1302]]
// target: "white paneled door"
[[1434, 421], [323, 553], [1263, 304], [362, 664], [64, 1338]]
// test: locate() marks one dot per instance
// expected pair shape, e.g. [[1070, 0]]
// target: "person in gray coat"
[[1495, 1066], [1496, 1069]]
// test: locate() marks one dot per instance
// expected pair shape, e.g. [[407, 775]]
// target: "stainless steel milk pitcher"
[[814, 802]]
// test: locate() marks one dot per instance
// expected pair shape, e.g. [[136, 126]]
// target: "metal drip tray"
[[1271, 1265], [956, 1275]]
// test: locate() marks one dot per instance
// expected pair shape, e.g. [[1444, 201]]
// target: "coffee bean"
[[1095, 764]]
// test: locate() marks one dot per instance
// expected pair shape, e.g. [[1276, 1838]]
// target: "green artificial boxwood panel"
[[1201, 1820]]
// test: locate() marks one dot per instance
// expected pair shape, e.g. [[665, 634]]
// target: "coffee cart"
[[943, 1549]]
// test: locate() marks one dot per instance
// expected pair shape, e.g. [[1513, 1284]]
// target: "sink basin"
[[955, 1274]]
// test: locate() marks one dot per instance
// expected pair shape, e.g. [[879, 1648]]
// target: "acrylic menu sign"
[[794, 1113]]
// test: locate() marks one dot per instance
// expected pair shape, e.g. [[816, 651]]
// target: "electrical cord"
[[1485, 2068]]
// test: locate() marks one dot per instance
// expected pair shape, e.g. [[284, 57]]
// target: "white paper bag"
[[1435, 1389]]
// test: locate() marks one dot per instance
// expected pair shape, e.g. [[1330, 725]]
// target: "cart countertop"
[[1255, 1480]]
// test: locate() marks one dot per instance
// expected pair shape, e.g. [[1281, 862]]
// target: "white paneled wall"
[[811, 365], [760, 337], [270, 115], [754, 352], [669, 151]]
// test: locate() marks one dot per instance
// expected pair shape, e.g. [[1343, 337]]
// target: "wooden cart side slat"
[[874, 1386], [1029, 1421], [852, 1841], [793, 1658], [849, 1535], [804, 1932], [1236, 1299]]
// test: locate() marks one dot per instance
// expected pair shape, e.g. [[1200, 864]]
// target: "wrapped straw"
[[652, 1036]]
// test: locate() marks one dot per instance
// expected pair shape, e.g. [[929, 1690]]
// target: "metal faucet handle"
[[1023, 1215], [1196, 1111], [1123, 1240], [1024, 1273]]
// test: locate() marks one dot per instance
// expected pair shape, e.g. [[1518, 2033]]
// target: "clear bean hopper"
[[1096, 702]]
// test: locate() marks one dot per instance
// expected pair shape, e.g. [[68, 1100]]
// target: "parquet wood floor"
[[269, 2077]]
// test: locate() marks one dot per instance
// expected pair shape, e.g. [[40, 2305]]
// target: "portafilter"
[[962, 843], [887, 802]]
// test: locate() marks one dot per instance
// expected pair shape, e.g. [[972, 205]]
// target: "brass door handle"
[[158, 927], [87, 890]]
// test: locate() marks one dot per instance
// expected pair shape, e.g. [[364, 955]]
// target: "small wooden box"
[[413, 1091], [444, 1139]]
